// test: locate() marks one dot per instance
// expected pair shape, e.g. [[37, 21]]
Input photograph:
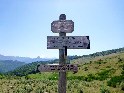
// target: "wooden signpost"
[[63, 42]]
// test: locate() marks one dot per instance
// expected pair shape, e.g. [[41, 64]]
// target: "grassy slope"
[[95, 66], [103, 68]]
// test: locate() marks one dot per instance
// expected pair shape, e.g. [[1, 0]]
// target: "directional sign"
[[58, 68], [71, 42], [66, 26]]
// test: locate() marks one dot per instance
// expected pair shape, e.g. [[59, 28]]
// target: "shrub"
[[123, 66], [104, 90], [104, 74], [90, 62], [115, 80], [120, 60], [98, 62], [108, 67], [85, 68], [90, 77], [76, 77], [81, 91], [39, 90], [122, 86], [122, 72], [2, 76]]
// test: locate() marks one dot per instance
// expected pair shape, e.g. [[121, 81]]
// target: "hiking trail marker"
[[63, 42], [71, 42], [58, 68]]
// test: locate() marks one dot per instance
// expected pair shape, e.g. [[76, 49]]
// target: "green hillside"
[[31, 67], [27, 68], [8, 65], [102, 53], [97, 74]]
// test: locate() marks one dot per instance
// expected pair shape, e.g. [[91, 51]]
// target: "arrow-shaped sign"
[[71, 42], [58, 68]]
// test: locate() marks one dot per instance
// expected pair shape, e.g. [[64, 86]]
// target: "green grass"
[[104, 74]]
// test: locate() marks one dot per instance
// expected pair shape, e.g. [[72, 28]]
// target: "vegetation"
[[31, 67], [8, 65], [27, 68], [102, 74], [103, 53]]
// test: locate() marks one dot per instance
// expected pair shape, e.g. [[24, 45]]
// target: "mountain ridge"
[[24, 59]]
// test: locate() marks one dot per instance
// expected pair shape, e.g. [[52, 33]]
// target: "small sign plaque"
[[71, 42], [58, 68], [66, 26]]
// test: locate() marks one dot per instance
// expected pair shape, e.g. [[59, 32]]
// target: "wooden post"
[[62, 61]]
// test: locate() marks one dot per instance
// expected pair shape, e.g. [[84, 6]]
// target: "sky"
[[25, 25]]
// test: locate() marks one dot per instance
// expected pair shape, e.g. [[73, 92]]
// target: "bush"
[[104, 74], [108, 67], [85, 69], [81, 91], [99, 62], [76, 77], [54, 76], [122, 72], [90, 77], [122, 86], [115, 80], [2, 76], [104, 90], [120, 60], [123, 66]]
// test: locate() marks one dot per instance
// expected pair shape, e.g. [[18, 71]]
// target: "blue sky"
[[25, 25]]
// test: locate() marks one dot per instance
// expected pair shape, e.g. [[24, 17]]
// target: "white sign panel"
[[58, 68], [71, 42]]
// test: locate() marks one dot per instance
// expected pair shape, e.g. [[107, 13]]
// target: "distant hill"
[[24, 59], [31, 67], [8, 65], [103, 53], [28, 68]]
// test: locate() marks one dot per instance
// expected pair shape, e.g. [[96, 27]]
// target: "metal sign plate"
[[66, 26], [58, 68], [71, 42]]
